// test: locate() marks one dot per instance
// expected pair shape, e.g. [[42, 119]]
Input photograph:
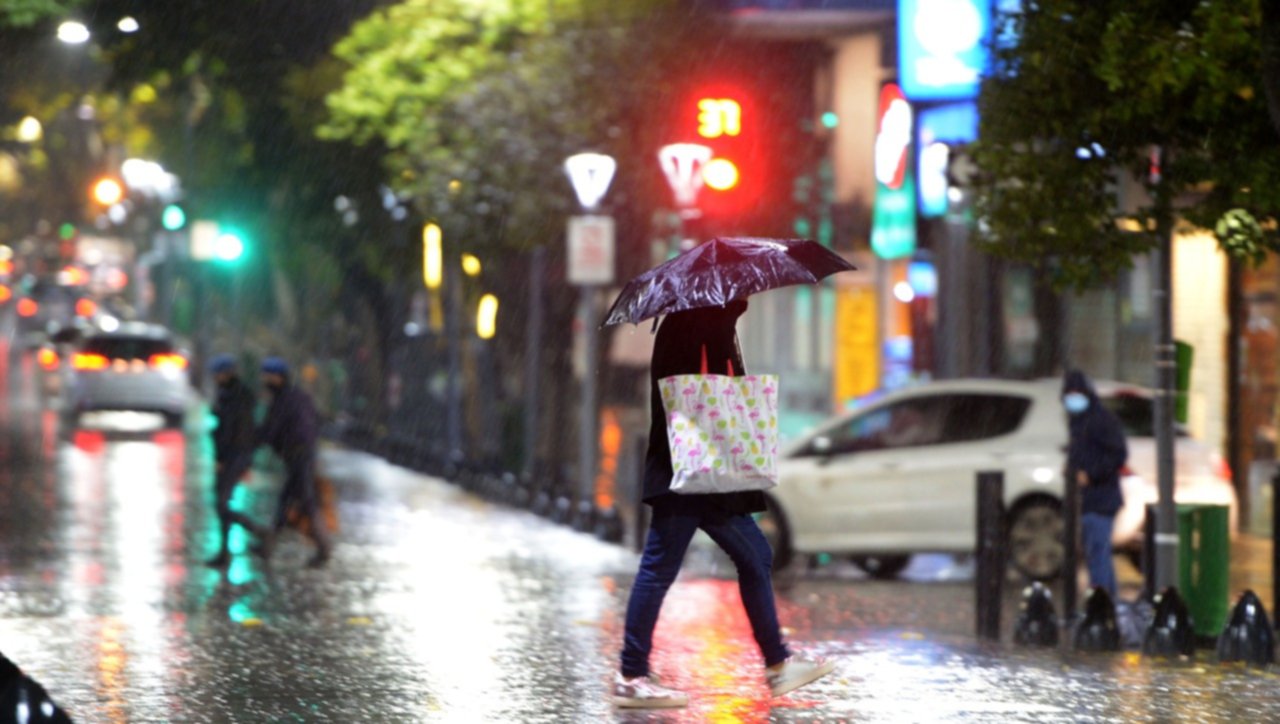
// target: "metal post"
[[453, 339], [532, 359], [587, 412], [1166, 536], [990, 553], [1070, 549], [1275, 542]]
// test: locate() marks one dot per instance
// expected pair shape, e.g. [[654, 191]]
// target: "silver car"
[[134, 368]]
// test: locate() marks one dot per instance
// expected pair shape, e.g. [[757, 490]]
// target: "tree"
[[1072, 112], [1093, 99]]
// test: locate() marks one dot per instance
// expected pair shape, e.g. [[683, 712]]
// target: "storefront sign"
[[893, 224], [942, 47]]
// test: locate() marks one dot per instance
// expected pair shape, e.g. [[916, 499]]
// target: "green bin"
[[1204, 559]]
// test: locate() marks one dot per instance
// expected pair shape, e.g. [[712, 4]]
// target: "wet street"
[[439, 607]]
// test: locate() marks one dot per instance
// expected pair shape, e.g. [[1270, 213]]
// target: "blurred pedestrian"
[[725, 517], [291, 428], [233, 445], [1096, 453]]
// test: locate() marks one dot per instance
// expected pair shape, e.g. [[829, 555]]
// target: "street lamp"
[[686, 166], [73, 32], [591, 249]]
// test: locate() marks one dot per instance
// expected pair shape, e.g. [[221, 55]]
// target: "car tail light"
[[27, 307], [86, 307], [89, 361], [5, 293], [47, 358], [168, 362]]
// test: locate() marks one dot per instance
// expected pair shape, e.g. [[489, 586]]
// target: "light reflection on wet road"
[[438, 607]]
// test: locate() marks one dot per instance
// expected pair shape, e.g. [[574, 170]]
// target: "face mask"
[[1075, 402]]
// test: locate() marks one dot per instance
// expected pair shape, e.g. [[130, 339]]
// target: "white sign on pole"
[[204, 240], [591, 250]]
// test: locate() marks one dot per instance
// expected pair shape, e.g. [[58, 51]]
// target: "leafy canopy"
[[1073, 111]]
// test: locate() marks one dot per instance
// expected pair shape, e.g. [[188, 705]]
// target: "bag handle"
[[704, 362]]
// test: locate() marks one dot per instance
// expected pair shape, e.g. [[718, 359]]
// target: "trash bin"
[[1204, 559]]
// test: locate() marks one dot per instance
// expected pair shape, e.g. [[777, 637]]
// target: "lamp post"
[[591, 250], [682, 164]]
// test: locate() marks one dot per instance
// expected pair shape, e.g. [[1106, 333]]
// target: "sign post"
[[591, 265]]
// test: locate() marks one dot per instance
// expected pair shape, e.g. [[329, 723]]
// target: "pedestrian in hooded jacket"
[[1096, 453], [233, 444], [725, 517], [291, 428]]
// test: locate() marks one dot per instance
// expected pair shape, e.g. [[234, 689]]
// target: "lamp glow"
[[432, 257], [470, 265], [487, 317], [720, 174]]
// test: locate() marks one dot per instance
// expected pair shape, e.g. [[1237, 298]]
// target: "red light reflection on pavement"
[[704, 645]]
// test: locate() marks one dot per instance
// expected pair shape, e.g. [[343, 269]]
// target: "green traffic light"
[[173, 217], [67, 231], [228, 246]]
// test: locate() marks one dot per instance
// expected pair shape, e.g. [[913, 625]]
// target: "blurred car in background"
[[898, 477], [39, 305], [134, 369]]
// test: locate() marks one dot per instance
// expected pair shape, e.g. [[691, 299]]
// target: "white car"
[[897, 477], [133, 369]]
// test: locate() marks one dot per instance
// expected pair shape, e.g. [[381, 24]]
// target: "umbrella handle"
[[704, 362]]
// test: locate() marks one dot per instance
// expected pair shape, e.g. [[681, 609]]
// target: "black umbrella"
[[720, 271]]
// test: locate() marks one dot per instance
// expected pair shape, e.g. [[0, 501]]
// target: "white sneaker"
[[795, 672], [643, 692]]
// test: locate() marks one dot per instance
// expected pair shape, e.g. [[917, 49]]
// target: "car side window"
[[907, 423], [974, 417]]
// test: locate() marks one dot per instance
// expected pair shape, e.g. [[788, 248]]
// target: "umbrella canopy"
[[720, 271]]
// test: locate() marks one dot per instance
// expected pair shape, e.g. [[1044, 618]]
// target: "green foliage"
[[477, 104], [1070, 117], [25, 13]]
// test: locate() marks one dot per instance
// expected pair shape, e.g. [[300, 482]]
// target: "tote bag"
[[722, 430]]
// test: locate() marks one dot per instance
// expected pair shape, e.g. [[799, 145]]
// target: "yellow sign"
[[856, 368]]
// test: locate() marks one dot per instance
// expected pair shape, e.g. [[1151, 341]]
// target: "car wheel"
[[1035, 538], [773, 523], [882, 568]]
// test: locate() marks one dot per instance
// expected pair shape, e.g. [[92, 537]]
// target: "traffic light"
[[724, 118], [173, 217], [229, 246]]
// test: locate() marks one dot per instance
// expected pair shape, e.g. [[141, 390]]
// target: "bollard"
[[1099, 630], [1248, 636], [1171, 633], [22, 699], [1037, 623], [1149, 553], [1070, 549], [989, 580]]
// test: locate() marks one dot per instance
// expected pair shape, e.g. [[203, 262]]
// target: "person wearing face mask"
[[291, 428], [1096, 453]]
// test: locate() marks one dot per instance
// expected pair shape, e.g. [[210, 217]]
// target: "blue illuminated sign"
[[942, 47], [939, 128]]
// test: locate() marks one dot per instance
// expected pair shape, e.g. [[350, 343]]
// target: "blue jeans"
[[1095, 536], [670, 532]]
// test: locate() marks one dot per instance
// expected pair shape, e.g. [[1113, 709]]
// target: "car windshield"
[[127, 348]]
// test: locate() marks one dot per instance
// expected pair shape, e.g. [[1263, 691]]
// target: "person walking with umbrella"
[[697, 334], [1096, 452], [233, 446]]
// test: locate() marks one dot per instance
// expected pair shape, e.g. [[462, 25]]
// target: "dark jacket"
[[291, 424], [1096, 446], [677, 350], [233, 408]]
